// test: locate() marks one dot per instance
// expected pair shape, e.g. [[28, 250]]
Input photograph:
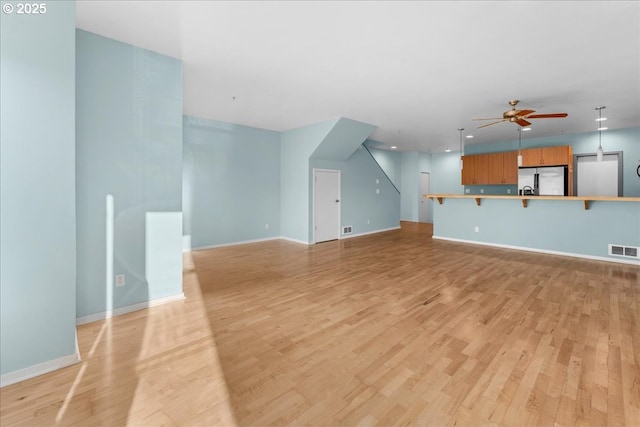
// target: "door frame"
[[606, 153], [420, 198], [313, 199]]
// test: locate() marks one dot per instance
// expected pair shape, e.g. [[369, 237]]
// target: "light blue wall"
[[37, 213], [390, 162], [625, 140], [445, 173], [129, 146], [552, 225], [231, 182], [296, 146], [361, 207]]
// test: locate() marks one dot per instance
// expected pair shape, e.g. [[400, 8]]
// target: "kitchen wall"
[[556, 226], [445, 173], [231, 183], [625, 140], [37, 213], [553, 226], [129, 174]]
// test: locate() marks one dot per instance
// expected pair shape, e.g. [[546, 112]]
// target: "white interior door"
[[425, 202], [326, 204]]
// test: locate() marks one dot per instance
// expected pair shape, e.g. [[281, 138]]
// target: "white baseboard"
[[128, 309], [349, 236], [39, 369], [222, 245], [288, 239], [542, 251]]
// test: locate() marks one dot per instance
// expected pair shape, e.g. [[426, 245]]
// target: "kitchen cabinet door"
[[468, 170], [531, 157], [496, 168], [547, 156], [556, 156], [510, 167], [481, 169]]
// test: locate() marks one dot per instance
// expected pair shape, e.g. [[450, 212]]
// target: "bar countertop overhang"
[[524, 199]]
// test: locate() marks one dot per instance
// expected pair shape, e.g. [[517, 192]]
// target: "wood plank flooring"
[[387, 329]]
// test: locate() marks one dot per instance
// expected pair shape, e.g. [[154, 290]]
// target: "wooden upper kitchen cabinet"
[[547, 156], [503, 168], [475, 169], [492, 168]]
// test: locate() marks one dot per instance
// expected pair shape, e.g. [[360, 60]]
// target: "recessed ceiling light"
[[525, 129], [601, 119], [469, 136], [603, 128], [448, 150], [393, 147]]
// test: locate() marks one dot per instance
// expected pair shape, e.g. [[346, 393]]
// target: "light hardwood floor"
[[387, 329]]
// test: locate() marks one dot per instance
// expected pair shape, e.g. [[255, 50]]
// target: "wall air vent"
[[347, 229], [624, 251]]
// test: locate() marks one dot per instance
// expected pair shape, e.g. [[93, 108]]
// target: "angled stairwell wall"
[[333, 140]]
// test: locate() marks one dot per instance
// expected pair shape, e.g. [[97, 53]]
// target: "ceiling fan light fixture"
[[520, 117]]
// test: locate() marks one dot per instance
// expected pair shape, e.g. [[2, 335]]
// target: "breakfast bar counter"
[[592, 227], [478, 197]]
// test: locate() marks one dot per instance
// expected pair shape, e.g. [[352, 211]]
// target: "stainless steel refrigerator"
[[543, 181]]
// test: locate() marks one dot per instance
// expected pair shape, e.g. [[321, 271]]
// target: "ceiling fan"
[[520, 116]]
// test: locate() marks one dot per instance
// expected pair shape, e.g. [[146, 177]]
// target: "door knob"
[[337, 200]]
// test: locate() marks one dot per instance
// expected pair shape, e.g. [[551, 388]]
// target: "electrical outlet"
[[477, 229], [377, 191], [482, 191], [368, 221], [508, 191], [120, 280], [377, 181], [266, 226], [466, 190]]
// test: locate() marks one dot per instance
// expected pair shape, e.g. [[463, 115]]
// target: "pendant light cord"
[[519, 140], [600, 126]]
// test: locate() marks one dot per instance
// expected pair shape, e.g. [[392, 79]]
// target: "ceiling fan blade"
[[522, 122], [490, 118], [547, 116], [489, 124], [525, 113]]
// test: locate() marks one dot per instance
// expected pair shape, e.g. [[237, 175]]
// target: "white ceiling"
[[417, 70]]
